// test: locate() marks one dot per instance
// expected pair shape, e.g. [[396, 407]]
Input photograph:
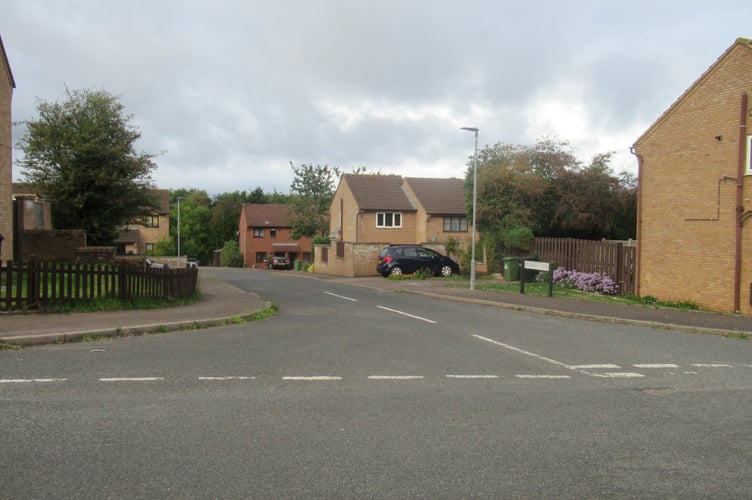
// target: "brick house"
[[369, 212], [265, 230], [141, 237], [7, 84], [695, 185]]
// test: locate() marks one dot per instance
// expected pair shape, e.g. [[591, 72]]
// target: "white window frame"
[[395, 220]]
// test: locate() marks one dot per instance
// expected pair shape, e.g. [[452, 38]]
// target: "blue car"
[[407, 259]]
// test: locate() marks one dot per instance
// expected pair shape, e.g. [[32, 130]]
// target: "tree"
[[312, 191], [80, 154]]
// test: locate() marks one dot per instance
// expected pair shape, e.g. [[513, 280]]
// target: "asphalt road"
[[350, 392]]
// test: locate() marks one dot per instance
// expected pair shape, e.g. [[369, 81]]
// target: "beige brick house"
[[141, 237], [369, 212], [7, 84], [694, 226]]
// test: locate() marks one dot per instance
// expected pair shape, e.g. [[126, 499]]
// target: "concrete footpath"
[[222, 302]]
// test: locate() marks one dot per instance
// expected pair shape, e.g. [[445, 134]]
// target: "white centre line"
[[406, 314], [226, 378], [395, 377], [617, 375], [656, 365], [710, 365], [522, 351], [604, 366], [548, 377], [473, 376], [318, 378], [30, 380], [131, 379], [341, 297]]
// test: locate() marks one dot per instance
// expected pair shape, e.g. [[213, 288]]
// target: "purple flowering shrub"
[[597, 283]]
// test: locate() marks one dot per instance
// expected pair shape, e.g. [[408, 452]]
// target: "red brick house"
[[265, 230], [7, 84], [369, 212], [694, 227]]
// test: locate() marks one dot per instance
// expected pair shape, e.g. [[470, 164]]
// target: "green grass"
[[111, 304]]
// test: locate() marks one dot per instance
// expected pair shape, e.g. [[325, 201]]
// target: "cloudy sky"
[[231, 91]]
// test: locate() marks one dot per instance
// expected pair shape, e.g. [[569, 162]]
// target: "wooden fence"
[[615, 259], [37, 284]]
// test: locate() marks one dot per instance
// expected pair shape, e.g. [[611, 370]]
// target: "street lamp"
[[179, 198], [475, 201]]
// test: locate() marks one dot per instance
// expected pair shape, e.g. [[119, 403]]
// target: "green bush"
[[230, 256]]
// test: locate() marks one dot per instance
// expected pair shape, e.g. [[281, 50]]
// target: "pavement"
[[223, 303]]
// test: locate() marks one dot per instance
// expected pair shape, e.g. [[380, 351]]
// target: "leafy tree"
[[230, 256], [312, 191], [80, 154]]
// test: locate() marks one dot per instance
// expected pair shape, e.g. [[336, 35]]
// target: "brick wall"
[[59, 244], [6, 147], [687, 216]]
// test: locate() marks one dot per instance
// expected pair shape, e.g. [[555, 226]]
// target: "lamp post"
[[179, 198], [475, 202]]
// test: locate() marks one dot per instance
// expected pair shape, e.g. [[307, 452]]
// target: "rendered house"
[[141, 238], [369, 212], [7, 84], [265, 231], [694, 226]]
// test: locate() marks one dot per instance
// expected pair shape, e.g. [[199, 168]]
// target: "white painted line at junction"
[[595, 367], [549, 377], [618, 375], [656, 365], [406, 314], [522, 351], [395, 377], [341, 297], [30, 380], [131, 379], [473, 376], [710, 365], [317, 378], [226, 378]]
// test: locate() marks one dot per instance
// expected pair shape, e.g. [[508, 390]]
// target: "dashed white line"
[[522, 351], [406, 314], [30, 380], [604, 366], [546, 377], [341, 297], [317, 378], [710, 365], [617, 375], [131, 379], [473, 377], [395, 377], [226, 378], [655, 365]]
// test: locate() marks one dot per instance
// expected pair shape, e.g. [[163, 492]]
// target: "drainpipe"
[[638, 262], [739, 207]]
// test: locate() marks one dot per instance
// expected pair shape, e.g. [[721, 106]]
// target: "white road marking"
[[595, 367], [549, 377], [522, 351], [473, 376], [656, 365], [617, 375], [341, 297], [318, 378], [395, 377], [30, 380], [131, 379], [226, 378], [406, 314], [710, 365]]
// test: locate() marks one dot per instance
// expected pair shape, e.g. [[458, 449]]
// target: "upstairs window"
[[389, 219], [151, 221], [455, 224], [273, 232], [258, 232]]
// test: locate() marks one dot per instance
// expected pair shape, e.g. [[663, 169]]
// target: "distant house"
[[265, 231], [694, 226], [369, 212], [7, 84], [141, 237]]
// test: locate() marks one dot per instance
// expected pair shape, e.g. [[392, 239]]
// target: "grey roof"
[[439, 196], [378, 192]]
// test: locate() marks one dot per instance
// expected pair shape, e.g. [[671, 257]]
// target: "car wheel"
[[446, 271], [396, 271]]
